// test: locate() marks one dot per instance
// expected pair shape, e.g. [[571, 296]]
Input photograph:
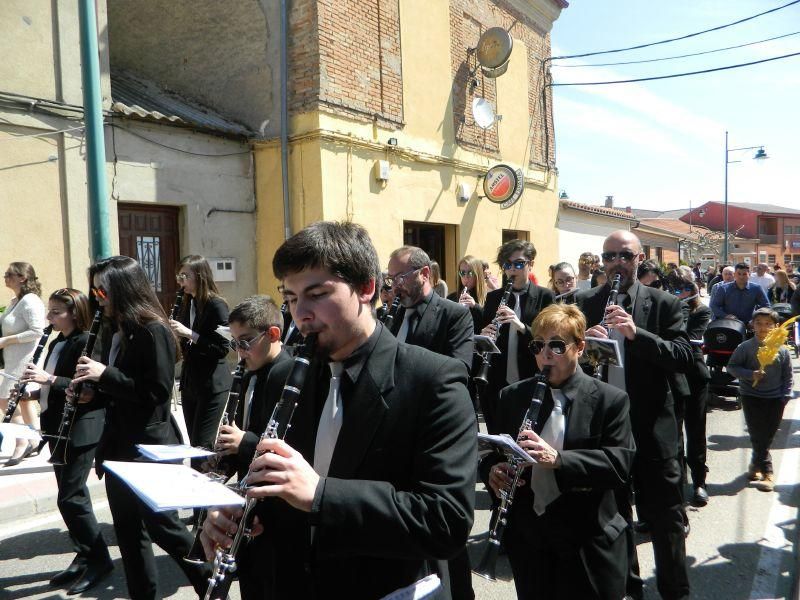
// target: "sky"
[[660, 145]]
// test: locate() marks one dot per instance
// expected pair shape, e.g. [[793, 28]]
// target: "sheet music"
[[170, 487], [503, 443], [424, 589], [9, 376], [168, 452], [22, 432]]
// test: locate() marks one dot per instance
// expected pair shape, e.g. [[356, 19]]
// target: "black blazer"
[[138, 387], [89, 418], [476, 310], [445, 327], [205, 369], [535, 298], [401, 485], [660, 346], [696, 325], [596, 459], [259, 416]]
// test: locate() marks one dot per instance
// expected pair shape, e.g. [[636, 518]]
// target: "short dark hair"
[[741, 265], [766, 312], [342, 248], [259, 312], [417, 257], [527, 248], [649, 266]]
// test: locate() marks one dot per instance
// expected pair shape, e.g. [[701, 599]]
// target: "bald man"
[[648, 325]]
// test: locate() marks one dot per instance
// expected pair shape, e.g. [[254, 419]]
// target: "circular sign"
[[503, 185]]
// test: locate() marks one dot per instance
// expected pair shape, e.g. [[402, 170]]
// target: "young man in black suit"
[[256, 325], [513, 333], [565, 534], [648, 325], [424, 318], [373, 485]]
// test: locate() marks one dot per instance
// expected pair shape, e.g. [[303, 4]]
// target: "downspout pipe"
[[287, 211], [97, 187]]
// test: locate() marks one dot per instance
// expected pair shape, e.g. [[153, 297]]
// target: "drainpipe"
[[95, 140], [287, 212]]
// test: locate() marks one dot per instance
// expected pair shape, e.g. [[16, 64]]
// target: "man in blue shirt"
[[739, 298]]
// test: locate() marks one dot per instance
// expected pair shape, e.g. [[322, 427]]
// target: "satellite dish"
[[483, 113], [493, 51]]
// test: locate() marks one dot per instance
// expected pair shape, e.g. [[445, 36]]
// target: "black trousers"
[[690, 413], [659, 502], [763, 417], [202, 411], [75, 505], [137, 527]]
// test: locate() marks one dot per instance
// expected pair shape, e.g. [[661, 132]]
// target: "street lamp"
[[760, 155]]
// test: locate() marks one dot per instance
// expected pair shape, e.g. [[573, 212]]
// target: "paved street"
[[742, 545]]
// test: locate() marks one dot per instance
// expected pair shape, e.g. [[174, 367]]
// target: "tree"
[[702, 242]]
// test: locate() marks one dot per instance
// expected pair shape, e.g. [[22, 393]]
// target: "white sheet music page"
[[424, 589], [170, 487], [167, 452]]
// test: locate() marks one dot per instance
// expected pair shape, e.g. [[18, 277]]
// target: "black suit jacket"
[[476, 310], [696, 325], [660, 346], [205, 370], [596, 459], [138, 387], [535, 298], [89, 418], [445, 327], [400, 489]]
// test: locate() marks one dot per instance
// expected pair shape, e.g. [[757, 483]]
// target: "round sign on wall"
[[503, 185]]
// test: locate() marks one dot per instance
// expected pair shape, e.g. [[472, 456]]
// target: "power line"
[[674, 75], [14, 138], [683, 37], [152, 141], [638, 62]]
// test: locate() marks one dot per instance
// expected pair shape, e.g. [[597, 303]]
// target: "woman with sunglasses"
[[564, 536], [21, 326], [206, 375], [135, 378], [68, 312], [472, 292]]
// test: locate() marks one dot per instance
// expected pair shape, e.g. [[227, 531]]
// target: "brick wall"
[[468, 20], [345, 55]]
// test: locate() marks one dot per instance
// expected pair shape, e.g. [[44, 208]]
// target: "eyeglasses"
[[182, 277], [100, 292], [557, 347], [469, 273], [517, 264], [564, 281], [245, 345], [398, 279], [624, 256]]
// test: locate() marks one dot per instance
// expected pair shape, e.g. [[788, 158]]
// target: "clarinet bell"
[[482, 372]]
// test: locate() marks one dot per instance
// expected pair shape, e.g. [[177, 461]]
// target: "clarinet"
[[482, 376], [388, 320], [224, 564], [176, 308], [20, 391], [612, 297], [488, 564], [215, 468], [58, 456]]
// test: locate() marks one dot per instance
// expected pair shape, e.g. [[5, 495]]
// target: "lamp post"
[[760, 155]]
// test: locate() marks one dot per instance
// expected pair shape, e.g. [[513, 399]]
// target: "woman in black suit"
[[135, 376], [564, 536], [206, 376], [68, 313]]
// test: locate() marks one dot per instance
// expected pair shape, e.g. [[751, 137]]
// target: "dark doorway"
[[150, 235], [428, 237]]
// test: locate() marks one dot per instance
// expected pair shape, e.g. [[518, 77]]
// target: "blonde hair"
[[567, 319], [782, 280], [476, 265]]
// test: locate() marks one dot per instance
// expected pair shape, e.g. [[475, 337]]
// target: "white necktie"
[[512, 366], [407, 326], [543, 481], [330, 422], [248, 402]]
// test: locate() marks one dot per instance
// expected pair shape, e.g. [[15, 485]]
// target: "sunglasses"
[[557, 347], [100, 293], [624, 256], [245, 345], [399, 279], [517, 264], [564, 281], [469, 273], [679, 291]]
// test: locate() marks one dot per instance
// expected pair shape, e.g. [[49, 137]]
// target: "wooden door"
[[149, 233]]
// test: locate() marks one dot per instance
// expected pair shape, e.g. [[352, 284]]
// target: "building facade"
[[584, 227]]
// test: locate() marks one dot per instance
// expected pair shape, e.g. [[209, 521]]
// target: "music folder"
[[602, 351], [484, 343], [170, 487], [428, 588], [504, 444], [169, 452]]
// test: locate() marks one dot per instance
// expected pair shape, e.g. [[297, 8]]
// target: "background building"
[[584, 227]]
